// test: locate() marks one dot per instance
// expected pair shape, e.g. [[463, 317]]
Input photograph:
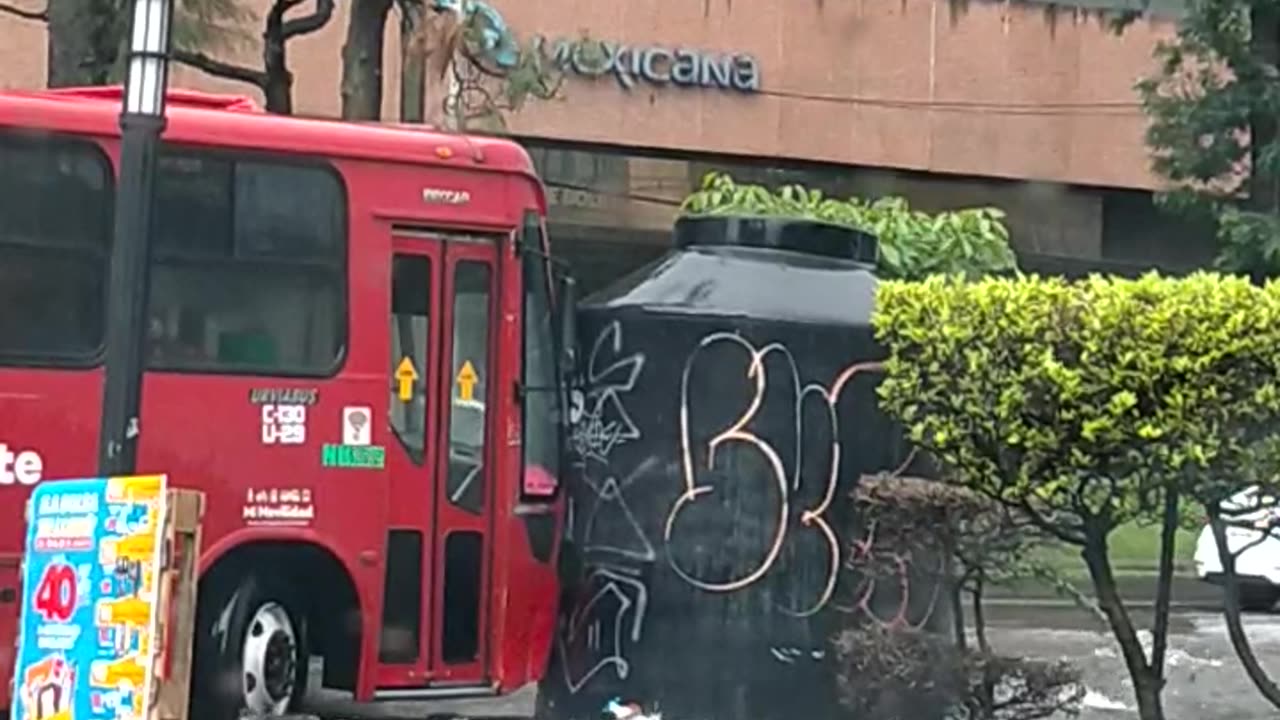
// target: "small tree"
[[1085, 406], [913, 244], [1214, 132], [923, 540], [492, 73]]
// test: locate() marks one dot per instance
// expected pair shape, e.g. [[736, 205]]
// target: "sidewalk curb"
[[1187, 591]]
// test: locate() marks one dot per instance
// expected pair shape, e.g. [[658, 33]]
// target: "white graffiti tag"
[[600, 421], [623, 537], [598, 629]]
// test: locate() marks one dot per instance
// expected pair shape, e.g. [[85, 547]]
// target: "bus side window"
[[248, 266], [55, 237], [410, 328]]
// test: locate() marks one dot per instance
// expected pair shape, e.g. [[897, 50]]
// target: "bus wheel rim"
[[270, 660]]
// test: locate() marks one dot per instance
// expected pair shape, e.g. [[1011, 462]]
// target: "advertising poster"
[[85, 649]]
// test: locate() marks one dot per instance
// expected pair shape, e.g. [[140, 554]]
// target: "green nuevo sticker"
[[370, 457]]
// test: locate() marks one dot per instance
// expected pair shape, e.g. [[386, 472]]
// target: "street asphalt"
[[1205, 679]]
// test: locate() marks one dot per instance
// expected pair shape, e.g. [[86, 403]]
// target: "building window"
[[55, 236], [585, 169], [247, 269]]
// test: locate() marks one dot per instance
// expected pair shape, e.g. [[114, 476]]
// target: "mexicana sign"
[[655, 64]]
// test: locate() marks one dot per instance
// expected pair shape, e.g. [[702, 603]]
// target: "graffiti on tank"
[[802, 495], [790, 655], [607, 615], [610, 614], [605, 619], [599, 420], [870, 560], [610, 501]]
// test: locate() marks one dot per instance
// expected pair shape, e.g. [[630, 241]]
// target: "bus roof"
[[234, 121]]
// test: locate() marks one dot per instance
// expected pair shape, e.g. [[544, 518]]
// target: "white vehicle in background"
[[1258, 567]]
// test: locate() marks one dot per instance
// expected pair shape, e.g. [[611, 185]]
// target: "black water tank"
[[728, 412]]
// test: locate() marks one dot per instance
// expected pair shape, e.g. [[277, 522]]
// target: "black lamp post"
[[142, 119]]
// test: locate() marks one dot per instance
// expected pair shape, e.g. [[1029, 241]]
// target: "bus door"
[[444, 310]]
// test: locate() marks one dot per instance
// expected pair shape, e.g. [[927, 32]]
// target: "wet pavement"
[[1205, 679]]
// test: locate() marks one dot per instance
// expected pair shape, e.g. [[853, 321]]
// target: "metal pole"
[[141, 123], [127, 296]]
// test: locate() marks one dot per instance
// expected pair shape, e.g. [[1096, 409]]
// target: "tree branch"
[[35, 15], [1231, 613], [1040, 522], [306, 24], [221, 69], [275, 16]]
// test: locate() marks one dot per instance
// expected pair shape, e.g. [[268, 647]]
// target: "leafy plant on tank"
[[913, 244], [1088, 405]]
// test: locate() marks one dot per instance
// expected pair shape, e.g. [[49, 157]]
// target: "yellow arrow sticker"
[[405, 375], [467, 378]]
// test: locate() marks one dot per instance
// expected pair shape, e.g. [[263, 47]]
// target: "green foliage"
[[1212, 108], [1082, 402], [913, 244], [489, 93]]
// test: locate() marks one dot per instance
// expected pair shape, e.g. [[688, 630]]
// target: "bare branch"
[[219, 68], [34, 15], [306, 24], [1231, 613], [1046, 525], [275, 16]]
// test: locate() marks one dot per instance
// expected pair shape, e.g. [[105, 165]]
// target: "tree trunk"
[[1146, 683], [413, 63], [1164, 583], [987, 692], [277, 82], [980, 615], [84, 39], [439, 37], [1231, 613], [362, 60], [278, 91]]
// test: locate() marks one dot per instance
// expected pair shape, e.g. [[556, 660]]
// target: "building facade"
[[1026, 105]]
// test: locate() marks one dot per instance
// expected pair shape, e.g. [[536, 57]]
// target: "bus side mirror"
[[568, 306]]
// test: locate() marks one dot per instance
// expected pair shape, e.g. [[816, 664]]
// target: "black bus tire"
[[251, 650]]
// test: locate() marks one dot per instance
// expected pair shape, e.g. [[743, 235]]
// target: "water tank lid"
[[759, 284], [811, 237]]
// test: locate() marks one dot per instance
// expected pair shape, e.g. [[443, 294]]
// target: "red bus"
[[358, 349]]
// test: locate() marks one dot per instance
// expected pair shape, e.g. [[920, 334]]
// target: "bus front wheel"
[[251, 651]]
